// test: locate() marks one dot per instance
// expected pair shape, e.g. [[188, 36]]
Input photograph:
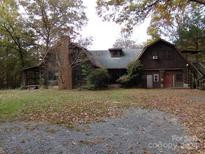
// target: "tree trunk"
[[7, 70]]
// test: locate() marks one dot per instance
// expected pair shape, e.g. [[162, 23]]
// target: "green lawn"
[[61, 106]]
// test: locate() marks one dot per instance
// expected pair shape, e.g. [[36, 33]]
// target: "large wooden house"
[[164, 65]]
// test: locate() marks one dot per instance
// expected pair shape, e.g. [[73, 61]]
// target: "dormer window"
[[116, 52]]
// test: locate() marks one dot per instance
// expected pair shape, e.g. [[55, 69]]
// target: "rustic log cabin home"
[[59, 67], [164, 65]]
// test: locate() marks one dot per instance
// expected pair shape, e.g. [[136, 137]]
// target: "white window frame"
[[155, 77]]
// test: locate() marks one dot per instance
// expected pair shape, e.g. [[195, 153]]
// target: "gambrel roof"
[[103, 58]]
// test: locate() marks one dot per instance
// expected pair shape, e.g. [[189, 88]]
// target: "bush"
[[134, 76], [135, 72], [98, 79]]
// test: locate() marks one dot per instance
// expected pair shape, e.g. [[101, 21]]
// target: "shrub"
[[135, 72], [134, 76], [98, 79]]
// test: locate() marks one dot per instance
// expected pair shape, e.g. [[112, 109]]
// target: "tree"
[[164, 13], [98, 79], [134, 74], [13, 32], [199, 1], [191, 33], [135, 71], [29, 28], [16, 44], [125, 43], [50, 19]]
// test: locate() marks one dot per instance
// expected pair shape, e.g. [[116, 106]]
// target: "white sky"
[[105, 33]]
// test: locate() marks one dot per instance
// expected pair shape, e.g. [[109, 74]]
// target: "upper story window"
[[154, 55], [116, 52]]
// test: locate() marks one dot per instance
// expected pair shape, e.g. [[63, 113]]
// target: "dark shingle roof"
[[103, 59]]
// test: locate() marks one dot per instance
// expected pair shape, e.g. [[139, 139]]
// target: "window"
[[116, 52], [52, 76], [156, 77], [179, 77], [154, 55], [178, 80]]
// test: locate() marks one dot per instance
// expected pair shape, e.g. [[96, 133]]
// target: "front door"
[[168, 80], [149, 81]]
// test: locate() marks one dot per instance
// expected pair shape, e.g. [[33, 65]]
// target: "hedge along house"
[[164, 66]]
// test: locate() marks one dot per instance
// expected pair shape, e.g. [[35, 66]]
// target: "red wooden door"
[[168, 80]]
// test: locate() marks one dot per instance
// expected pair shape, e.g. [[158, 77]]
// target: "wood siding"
[[166, 65], [168, 57]]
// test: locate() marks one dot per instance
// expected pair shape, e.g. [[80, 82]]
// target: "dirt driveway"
[[136, 131]]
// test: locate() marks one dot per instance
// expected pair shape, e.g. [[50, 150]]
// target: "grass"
[[55, 105], [74, 107]]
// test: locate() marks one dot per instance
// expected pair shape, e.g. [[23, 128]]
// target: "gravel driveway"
[[137, 131]]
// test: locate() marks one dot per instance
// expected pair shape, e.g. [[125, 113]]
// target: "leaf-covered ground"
[[74, 107], [135, 131]]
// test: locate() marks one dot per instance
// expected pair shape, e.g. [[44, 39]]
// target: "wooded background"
[[29, 28]]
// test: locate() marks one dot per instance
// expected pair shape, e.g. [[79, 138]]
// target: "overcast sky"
[[105, 33]]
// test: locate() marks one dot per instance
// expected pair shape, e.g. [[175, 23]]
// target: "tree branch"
[[198, 1], [16, 41]]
